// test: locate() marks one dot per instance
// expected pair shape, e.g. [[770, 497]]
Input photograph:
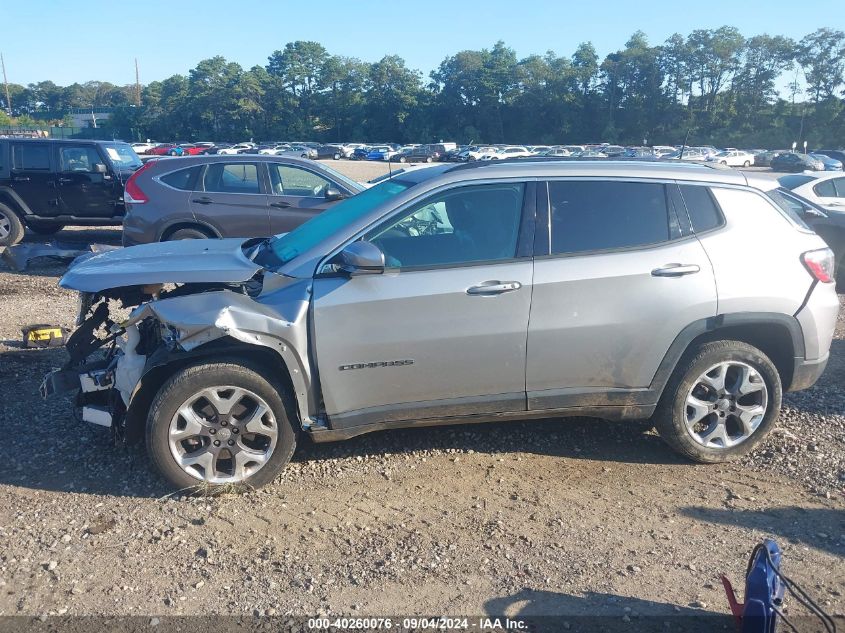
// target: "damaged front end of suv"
[[185, 300]]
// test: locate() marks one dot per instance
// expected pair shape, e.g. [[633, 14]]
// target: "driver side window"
[[464, 225], [294, 181]]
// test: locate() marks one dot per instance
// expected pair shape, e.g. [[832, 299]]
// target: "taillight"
[[132, 193], [819, 264]]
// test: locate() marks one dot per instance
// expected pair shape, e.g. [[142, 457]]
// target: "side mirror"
[[333, 194], [362, 258], [99, 168]]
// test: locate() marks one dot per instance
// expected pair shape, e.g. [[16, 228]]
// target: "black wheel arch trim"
[[14, 199], [710, 325]]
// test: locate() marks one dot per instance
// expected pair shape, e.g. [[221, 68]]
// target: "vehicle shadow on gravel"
[[576, 438], [820, 528], [592, 611]]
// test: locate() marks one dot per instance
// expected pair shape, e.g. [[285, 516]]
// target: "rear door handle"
[[281, 204], [675, 270], [492, 288], [20, 178], [203, 200], [65, 180]]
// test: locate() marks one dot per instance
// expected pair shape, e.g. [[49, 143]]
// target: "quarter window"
[[231, 178], [31, 156], [703, 212], [825, 189], [182, 179], [601, 215], [465, 225]]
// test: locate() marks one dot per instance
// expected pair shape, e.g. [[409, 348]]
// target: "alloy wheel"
[[726, 404], [5, 226], [223, 435]]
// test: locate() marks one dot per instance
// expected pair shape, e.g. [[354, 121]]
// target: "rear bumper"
[[807, 372]]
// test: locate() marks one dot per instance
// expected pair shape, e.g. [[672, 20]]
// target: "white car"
[[733, 158], [514, 151], [825, 189], [230, 151], [347, 149], [275, 150], [690, 153], [141, 148], [476, 154]]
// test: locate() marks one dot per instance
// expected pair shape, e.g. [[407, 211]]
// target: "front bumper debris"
[[19, 256]]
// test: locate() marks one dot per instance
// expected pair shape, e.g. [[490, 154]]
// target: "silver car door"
[[442, 332], [619, 281]]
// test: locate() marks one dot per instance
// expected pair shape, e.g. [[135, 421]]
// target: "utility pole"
[[137, 85], [6, 83]]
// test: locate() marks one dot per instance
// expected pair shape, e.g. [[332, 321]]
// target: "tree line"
[[713, 86]]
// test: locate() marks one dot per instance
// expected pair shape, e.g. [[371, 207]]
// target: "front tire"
[[220, 426], [11, 227], [720, 403], [746, 164]]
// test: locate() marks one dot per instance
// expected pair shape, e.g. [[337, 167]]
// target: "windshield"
[[122, 156], [308, 235]]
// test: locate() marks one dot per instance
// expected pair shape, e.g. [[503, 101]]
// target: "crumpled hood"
[[182, 261]]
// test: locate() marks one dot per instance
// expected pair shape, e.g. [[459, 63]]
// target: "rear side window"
[[183, 179], [601, 215], [232, 178], [703, 211], [825, 189], [31, 156]]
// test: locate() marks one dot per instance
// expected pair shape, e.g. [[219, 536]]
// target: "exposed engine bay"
[[108, 355]]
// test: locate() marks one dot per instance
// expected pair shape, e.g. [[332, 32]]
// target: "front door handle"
[[675, 270], [281, 204], [65, 181], [20, 178], [493, 288], [203, 200]]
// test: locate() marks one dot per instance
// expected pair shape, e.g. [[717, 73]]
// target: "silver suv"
[[511, 290]]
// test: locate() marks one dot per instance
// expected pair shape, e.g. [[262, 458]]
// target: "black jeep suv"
[[46, 184]]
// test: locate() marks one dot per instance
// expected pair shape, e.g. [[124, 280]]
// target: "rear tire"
[[235, 421], [11, 227], [336, 157], [746, 164], [187, 233], [679, 419], [47, 228]]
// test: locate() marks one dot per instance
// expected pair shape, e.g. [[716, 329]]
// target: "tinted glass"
[[793, 181], [31, 156], [294, 181], [595, 215], [839, 183], [78, 158], [825, 189], [232, 178], [792, 206], [469, 224], [702, 209], [182, 179]]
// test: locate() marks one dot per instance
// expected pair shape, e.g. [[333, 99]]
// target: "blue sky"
[[77, 41]]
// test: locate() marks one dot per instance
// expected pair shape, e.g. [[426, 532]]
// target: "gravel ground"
[[576, 516]]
